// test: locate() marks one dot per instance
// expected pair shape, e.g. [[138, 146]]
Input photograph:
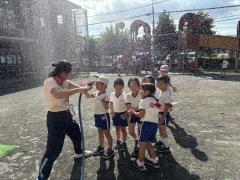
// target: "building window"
[[42, 23], [7, 19], [60, 19], [1, 16]]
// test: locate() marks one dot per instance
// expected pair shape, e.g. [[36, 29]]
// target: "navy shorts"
[[148, 132], [102, 121], [120, 119], [168, 118], [134, 119]]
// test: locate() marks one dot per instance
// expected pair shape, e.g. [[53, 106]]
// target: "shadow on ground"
[[215, 76], [106, 170], [187, 141], [227, 77], [76, 170], [169, 170]]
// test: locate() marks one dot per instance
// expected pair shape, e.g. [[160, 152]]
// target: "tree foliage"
[[206, 23], [165, 38], [114, 41], [91, 51], [206, 26]]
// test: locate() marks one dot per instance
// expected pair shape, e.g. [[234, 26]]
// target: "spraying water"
[[33, 34]]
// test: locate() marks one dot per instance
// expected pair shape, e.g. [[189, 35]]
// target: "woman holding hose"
[[57, 90]]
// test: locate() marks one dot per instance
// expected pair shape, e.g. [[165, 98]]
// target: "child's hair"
[[60, 66], [133, 80], [118, 81], [149, 87], [151, 79], [164, 79]]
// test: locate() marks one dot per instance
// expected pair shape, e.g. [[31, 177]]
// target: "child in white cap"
[[164, 69], [102, 118]]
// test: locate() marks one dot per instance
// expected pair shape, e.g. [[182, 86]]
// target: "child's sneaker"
[[157, 144], [135, 151], [98, 151], [87, 154], [134, 154], [141, 166], [133, 157], [160, 147], [118, 144], [123, 147], [108, 154], [153, 163]]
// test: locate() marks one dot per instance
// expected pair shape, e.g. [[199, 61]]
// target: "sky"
[[97, 7]]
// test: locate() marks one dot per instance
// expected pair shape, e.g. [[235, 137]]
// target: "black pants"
[[59, 124]]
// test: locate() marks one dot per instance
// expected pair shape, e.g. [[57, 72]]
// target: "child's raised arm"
[[86, 93]]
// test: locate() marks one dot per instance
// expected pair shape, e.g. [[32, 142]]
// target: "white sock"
[[155, 160], [147, 156], [140, 163], [164, 141]]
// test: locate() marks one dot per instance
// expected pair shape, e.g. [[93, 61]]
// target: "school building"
[[34, 33]]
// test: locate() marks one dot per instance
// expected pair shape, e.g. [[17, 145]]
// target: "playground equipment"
[[138, 54]]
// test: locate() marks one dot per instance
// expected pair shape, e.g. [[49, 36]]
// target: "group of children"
[[146, 106]]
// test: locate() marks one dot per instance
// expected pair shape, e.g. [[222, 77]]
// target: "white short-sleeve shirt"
[[225, 64], [51, 103], [119, 104], [165, 98], [151, 110], [99, 107], [133, 100], [157, 93]]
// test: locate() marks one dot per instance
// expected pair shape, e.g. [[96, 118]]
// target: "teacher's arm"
[[73, 85], [59, 93]]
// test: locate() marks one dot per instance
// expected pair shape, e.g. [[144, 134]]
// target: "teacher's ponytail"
[[59, 67]]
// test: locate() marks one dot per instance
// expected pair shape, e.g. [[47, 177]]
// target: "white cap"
[[103, 79], [164, 68]]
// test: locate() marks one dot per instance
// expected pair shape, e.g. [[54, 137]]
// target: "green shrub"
[[214, 62]]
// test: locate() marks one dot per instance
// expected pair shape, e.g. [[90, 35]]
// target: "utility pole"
[[88, 39], [153, 34], [153, 19], [86, 18], [237, 52]]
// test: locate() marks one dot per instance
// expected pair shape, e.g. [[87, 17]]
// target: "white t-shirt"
[[165, 98], [151, 111], [133, 100], [118, 102], [225, 64], [51, 103], [99, 107], [157, 93]]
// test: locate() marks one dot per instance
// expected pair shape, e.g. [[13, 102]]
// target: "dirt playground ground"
[[204, 138]]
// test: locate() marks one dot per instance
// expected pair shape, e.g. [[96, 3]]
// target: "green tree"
[[165, 38], [206, 23], [114, 41], [91, 52], [206, 27]]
